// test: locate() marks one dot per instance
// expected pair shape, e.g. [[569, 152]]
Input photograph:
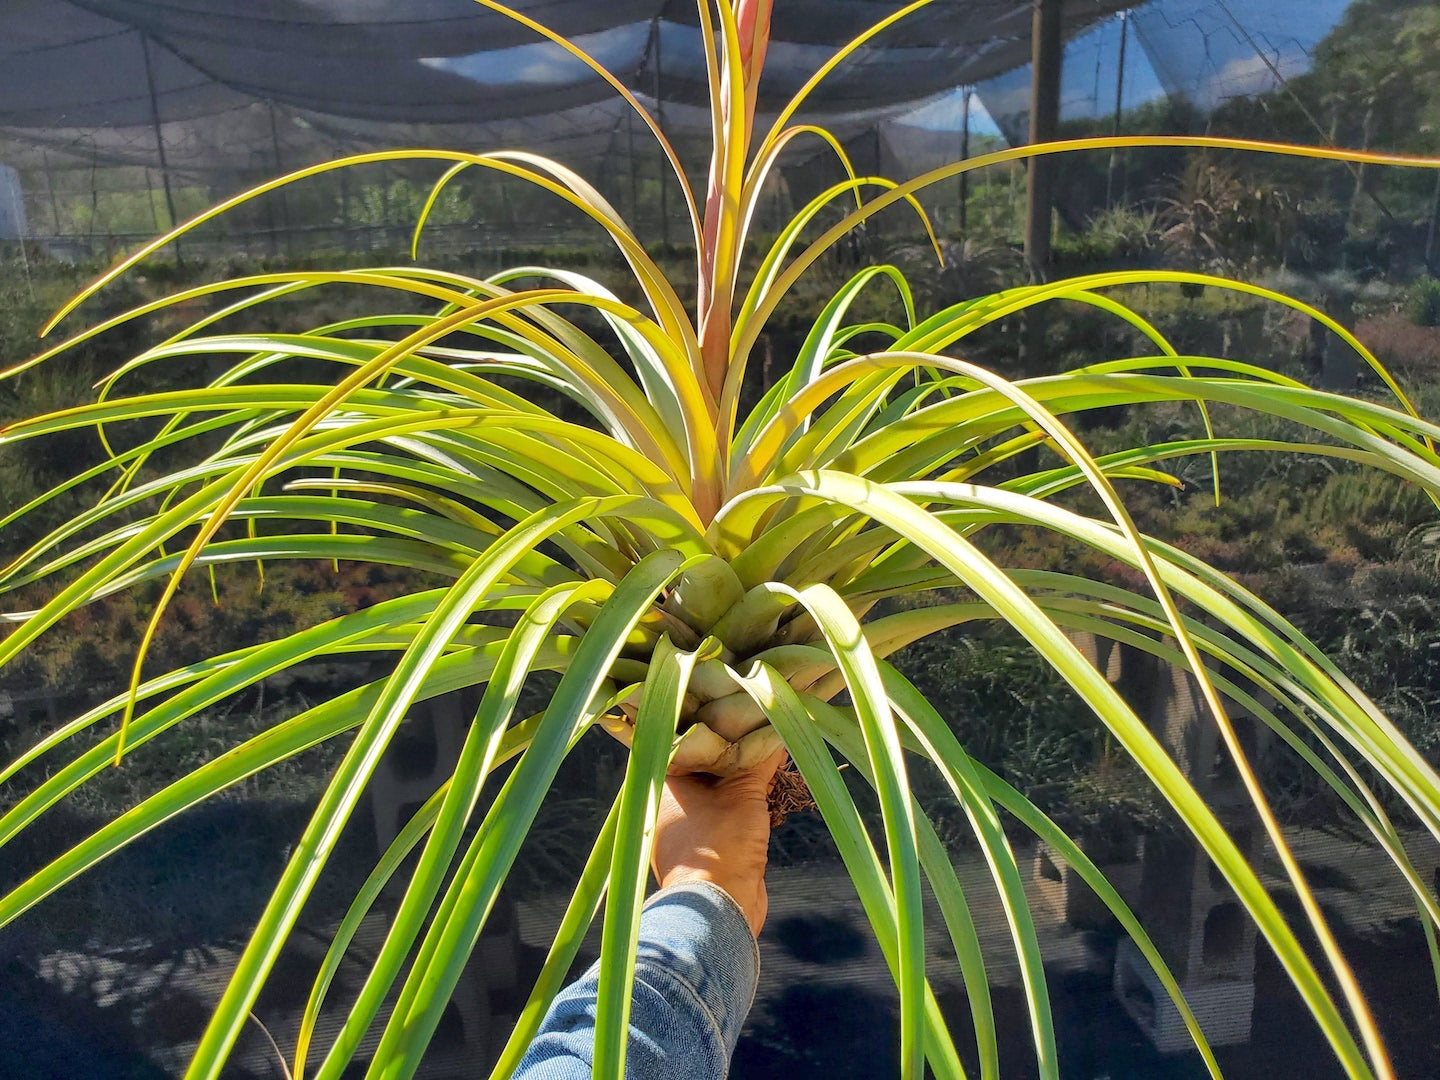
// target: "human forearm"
[[695, 974]]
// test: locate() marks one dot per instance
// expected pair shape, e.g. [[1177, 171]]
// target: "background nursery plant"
[[708, 578]]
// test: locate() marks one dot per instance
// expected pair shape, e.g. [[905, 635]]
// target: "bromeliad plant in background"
[[705, 583]]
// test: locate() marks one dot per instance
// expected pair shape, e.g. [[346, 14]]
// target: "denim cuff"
[[697, 933]]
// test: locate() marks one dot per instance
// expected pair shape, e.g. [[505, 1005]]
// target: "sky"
[[1206, 49], [1212, 49], [619, 49]]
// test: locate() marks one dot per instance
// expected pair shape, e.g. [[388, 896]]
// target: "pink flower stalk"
[[752, 18]]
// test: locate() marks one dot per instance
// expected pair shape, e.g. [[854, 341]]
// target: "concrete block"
[[1067, 895], [1223, 1007]]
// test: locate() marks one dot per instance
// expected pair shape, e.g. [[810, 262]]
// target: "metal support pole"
[[94, 199], [634, 180], [50, 187], [964, 156], [17, 207], [1046, 55], [660, 120], [279, 169], [1119, 93], [610, 170], [1430, 236], [348, 237], [150, 198], [159, 138]]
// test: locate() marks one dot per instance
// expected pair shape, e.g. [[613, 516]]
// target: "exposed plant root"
[[789, 794]]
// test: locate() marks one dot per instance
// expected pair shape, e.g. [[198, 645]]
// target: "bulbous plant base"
[[722, 730], [703, 751]]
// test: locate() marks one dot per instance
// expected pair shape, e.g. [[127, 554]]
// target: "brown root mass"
[[789, 794]]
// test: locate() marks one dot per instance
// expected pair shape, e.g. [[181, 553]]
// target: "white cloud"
[[546, 64], [1247, 75]]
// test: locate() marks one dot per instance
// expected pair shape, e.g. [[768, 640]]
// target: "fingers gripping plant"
[[705, 583]]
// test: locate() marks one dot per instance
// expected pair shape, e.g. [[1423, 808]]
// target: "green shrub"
[[1423, 303]]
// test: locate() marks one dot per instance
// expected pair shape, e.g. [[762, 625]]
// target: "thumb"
[[757, 779], [766, 770]]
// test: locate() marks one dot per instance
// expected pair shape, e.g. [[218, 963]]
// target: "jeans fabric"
[[695, 975]]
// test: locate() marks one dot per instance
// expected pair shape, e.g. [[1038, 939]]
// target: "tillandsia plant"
[[706, 583]]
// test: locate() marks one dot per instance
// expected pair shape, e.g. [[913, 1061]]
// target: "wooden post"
[[1046, 54], [964, 156]]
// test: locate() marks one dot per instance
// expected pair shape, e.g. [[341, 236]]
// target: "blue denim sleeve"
[[695, 975]]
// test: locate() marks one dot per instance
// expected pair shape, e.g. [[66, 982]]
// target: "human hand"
[[718, 830]]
